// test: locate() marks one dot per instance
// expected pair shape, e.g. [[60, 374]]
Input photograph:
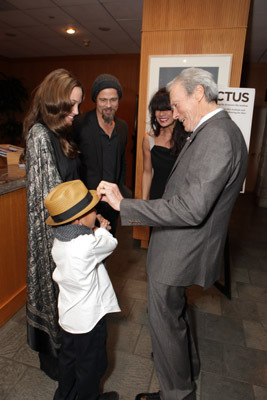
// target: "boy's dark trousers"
[[82, 363]]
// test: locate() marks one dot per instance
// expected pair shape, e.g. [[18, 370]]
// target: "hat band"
[[71, 212]]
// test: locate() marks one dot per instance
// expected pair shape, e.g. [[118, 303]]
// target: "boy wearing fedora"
[[86, 294]]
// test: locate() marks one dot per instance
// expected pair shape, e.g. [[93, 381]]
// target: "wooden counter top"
[[12, 177]]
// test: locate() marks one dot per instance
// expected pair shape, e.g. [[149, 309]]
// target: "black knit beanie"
[[105, 81]]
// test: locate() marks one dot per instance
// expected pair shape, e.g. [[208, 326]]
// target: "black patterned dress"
[[46, 167]]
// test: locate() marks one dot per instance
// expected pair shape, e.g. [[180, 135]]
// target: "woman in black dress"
[[161, 146]]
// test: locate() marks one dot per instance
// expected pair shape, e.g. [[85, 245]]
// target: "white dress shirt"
[[208, 116], [86, 293]]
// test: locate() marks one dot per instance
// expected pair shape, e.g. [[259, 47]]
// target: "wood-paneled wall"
[[187, 27], [13, 250], [86, 68]]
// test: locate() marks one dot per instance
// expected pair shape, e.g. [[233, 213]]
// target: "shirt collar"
[[208, 116]]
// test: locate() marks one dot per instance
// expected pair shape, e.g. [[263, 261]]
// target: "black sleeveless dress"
[[162, 163]]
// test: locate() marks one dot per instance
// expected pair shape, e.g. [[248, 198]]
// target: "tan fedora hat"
[[68, 201]]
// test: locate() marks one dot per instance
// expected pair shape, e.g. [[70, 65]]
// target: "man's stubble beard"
[[108, 118]]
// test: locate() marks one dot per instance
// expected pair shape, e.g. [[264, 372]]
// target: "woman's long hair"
[[51, 105], [161, 102]]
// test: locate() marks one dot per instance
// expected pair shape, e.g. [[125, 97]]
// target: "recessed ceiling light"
[[104, 28], [70, 31], [86, 42]]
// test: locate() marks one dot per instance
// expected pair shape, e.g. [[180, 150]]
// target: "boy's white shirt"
[[86, 293]]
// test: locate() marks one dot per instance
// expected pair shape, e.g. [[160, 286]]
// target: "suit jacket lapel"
[[187, 144]]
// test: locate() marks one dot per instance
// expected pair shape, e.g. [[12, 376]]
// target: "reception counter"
[[13, 241]]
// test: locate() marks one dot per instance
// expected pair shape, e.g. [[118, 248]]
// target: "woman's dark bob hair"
[[161, 102]]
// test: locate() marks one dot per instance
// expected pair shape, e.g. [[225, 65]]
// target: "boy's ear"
[[77, 221]]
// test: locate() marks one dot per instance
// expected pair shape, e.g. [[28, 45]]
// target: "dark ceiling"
[[36, 28]]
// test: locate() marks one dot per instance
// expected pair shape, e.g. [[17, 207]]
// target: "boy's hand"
[[103, 223]]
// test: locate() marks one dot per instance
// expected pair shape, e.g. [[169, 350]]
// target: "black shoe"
[[148, 396], [109, 396]]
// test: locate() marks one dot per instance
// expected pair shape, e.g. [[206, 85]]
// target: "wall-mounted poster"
[[164, 68], [239, 103]]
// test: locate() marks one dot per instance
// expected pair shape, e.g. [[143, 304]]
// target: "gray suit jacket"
[[191, 220]]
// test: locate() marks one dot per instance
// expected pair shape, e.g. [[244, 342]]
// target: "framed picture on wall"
[[164, 68]]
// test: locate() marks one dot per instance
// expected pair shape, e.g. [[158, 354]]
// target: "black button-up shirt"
[[110, 145]]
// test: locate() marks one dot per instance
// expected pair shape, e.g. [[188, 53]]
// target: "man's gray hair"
[[191, 77]]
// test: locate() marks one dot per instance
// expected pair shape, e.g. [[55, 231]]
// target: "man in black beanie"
[[101, 138]]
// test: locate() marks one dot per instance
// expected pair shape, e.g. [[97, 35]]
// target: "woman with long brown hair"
[[51, 158]]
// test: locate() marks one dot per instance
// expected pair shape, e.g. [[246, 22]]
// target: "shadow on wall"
[[12, 95]]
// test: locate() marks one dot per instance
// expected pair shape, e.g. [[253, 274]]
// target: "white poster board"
[[239, 103]]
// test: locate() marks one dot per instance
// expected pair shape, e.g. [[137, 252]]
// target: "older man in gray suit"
[[189, 225]]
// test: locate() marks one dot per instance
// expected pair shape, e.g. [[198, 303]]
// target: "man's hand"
[[110, 193]]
